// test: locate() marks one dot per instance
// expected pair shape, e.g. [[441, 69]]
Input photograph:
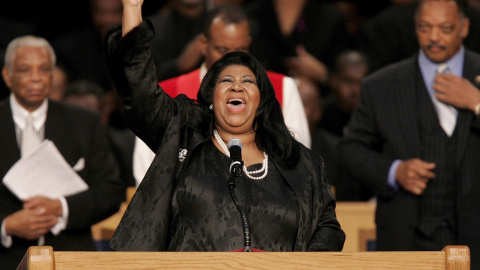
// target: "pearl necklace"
[[264, 168]]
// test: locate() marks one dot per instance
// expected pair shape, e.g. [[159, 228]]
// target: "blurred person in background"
[[414, 138], [176, 47], [350, 68]]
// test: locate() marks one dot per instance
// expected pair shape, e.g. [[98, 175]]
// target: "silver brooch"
[[182, 154]]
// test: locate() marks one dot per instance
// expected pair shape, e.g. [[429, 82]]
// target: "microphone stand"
[[246, 229]]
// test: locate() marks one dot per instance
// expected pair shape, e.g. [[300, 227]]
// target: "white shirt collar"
[[20, 114], [203, 71], [429, 68]]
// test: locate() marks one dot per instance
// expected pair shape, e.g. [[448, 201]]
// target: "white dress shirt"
[[39, 117]]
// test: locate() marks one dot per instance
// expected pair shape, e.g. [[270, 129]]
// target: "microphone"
[[235, 147]]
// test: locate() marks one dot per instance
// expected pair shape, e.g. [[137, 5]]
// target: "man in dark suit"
[[62, 222], [415, 139]]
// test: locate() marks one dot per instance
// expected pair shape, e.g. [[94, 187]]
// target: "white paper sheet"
[[43, 172]]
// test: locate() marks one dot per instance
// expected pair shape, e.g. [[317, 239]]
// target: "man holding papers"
[[74, 138]]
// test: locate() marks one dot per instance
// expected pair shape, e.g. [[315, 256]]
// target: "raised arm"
[[129, 61], [132, 15]]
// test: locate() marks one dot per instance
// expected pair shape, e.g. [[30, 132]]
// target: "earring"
[[210, 107]]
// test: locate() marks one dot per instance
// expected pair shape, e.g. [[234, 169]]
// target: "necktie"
[[30, 140], [30, 137], [447, 115]]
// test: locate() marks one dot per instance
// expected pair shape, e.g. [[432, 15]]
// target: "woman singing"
[[183, 203]]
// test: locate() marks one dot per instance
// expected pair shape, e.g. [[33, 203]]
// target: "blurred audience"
[[298, 38], [80, 52], [353, 20], [84, 93], [90, 95], [151, 7], [324, 143], [176, 46], [215, 3], [351, 67], [59, 83], [474, 3], [49, 18]]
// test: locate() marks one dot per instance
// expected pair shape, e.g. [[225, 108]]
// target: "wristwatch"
[[477, 109]]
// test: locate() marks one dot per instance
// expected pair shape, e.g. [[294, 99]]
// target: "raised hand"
[[456, 91], [192, 55], [132, 15], [306, 65], [132, 3]]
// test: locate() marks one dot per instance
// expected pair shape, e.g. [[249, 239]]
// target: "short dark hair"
[[348, 58], [271, 133], [227, 13], [461, 4], [84, 87]]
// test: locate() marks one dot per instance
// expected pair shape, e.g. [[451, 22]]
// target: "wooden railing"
[[358, 222], [104, 229], [43, 257]]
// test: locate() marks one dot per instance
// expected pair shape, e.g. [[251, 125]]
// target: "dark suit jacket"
[[77, 134], [384, 128], [123, 143]]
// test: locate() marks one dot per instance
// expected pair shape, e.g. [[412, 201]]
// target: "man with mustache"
[[415, 138]]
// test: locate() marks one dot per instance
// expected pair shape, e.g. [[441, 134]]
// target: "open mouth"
[[236, 105], [236, 101]]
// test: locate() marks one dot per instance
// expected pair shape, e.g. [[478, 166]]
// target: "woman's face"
[[236, 99]]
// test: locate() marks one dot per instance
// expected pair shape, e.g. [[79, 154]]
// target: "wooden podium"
[[43, 257], [358, 222]]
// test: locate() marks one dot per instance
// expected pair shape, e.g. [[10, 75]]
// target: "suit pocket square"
[[79, 165]]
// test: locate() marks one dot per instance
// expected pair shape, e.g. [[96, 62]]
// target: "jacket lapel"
[[10, 152], [471, 69], [406, 96], [303, 192], [57, 130]]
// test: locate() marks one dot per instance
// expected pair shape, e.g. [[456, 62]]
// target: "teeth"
[[237, 100]]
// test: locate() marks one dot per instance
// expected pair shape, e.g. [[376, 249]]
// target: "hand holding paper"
[[51, 206], [43, 172], [39, 179], [29, 223]]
